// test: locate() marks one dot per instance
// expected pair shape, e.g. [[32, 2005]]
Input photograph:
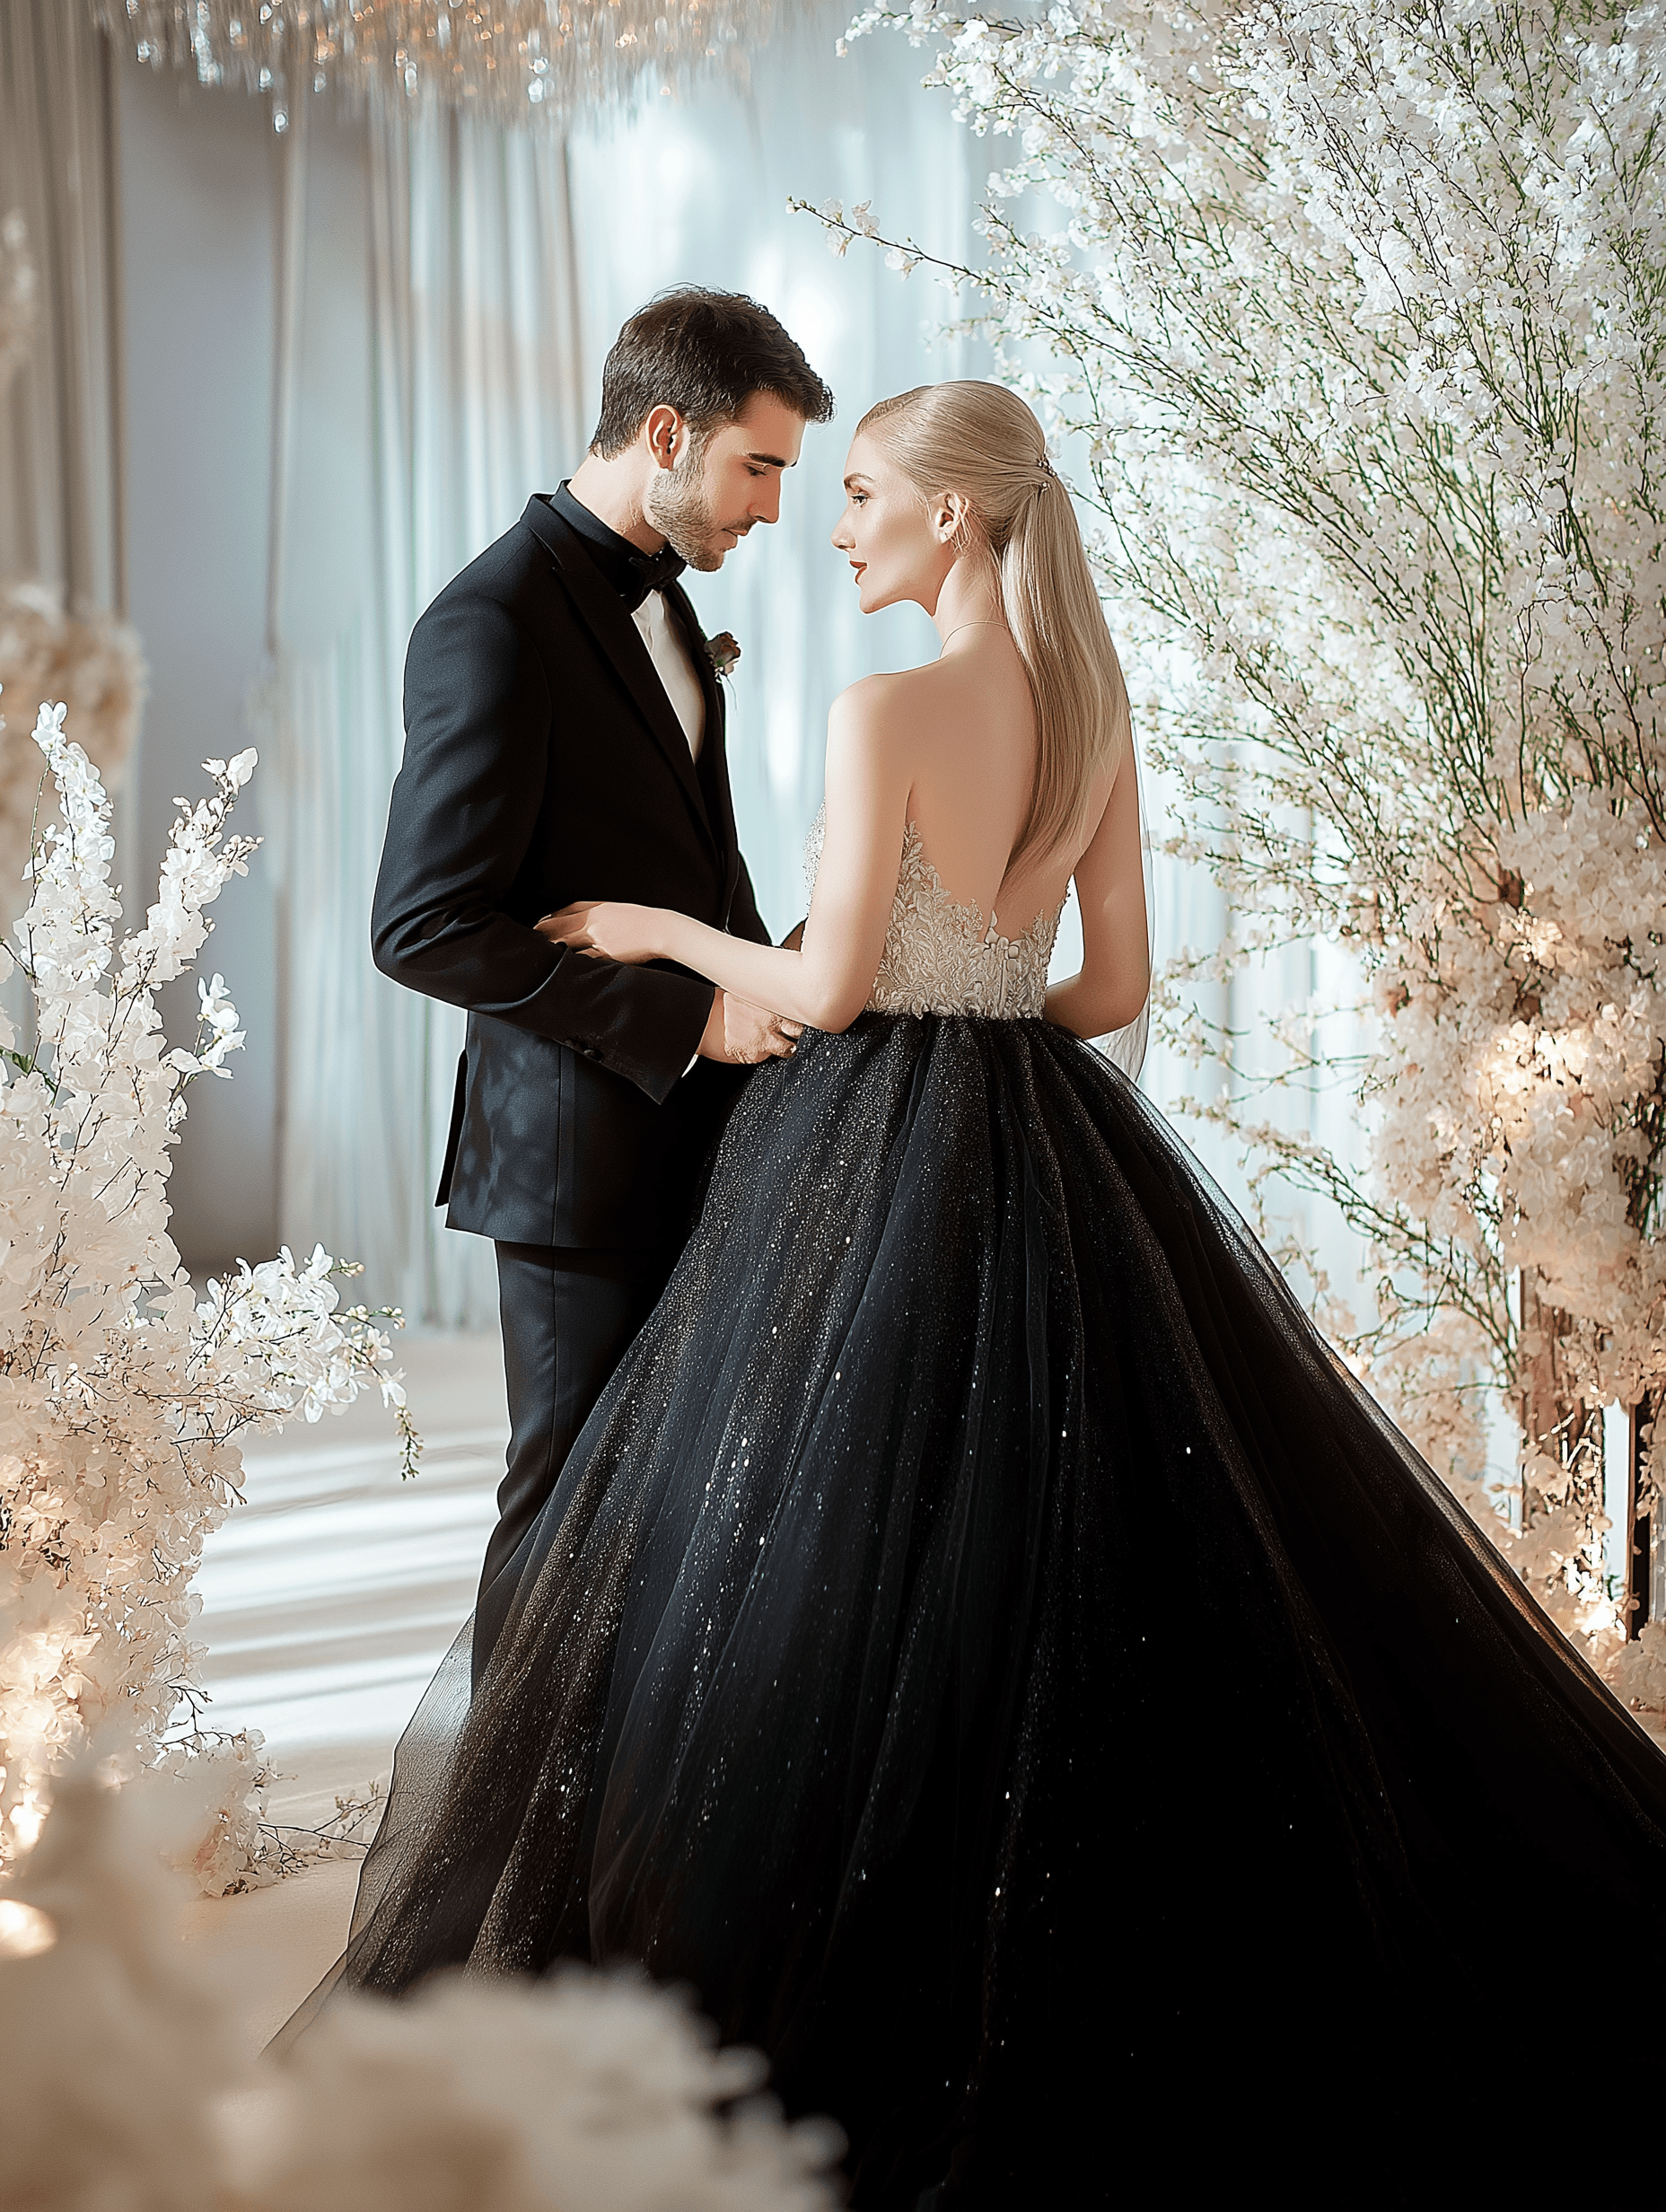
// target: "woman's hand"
[[607, 928]]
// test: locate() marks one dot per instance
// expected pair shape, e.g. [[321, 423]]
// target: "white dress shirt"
[[670, 655]]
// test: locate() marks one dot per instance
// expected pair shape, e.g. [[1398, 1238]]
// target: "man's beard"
[[678, 507]]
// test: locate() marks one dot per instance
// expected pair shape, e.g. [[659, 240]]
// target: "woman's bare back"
[[949, 749], [968, 723]]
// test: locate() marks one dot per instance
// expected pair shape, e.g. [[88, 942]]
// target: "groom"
[[565, 740]]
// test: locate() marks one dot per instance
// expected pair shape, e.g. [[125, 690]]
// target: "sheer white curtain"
[[60, 473], [429, 381], [60, 412]]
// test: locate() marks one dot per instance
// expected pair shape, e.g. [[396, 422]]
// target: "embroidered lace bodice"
[[941, 956]]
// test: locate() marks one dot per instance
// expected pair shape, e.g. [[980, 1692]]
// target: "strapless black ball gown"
[[986, 1645]]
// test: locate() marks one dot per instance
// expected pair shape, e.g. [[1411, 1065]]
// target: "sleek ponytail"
[[981, 441]]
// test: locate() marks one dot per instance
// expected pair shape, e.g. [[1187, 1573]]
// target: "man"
[[565, 740]]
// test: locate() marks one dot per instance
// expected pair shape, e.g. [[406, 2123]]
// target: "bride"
[[983, 1641]]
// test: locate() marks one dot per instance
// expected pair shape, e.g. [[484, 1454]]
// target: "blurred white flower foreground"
[[118, 2087], [123, 1397]]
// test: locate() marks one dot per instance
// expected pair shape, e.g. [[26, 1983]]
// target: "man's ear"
[[667, 437]]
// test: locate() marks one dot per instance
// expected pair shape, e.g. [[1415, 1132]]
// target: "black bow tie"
[[652, 572]]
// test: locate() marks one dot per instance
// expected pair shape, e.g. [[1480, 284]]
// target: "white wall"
[[197, 188]]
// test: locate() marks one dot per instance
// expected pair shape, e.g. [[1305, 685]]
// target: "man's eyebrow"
[[770, 461]]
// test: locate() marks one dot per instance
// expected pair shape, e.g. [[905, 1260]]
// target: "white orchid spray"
[[1357, 317], [123, 1396]]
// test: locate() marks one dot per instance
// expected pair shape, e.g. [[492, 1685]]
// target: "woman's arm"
[[1115, 976], [825, 982]]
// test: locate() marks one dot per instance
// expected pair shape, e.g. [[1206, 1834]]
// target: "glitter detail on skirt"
[[986, 1643]]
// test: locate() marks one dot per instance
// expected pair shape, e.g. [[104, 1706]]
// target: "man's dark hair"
[[705, 354]]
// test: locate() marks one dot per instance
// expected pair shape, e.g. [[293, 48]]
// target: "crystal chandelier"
[[513, 59]]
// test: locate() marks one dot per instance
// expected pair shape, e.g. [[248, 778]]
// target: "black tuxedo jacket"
[[544, 763]]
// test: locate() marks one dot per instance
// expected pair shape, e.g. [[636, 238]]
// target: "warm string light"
[[513, 59], [25, 1931]]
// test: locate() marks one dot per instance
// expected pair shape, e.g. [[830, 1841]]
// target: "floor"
[[329, 1596]]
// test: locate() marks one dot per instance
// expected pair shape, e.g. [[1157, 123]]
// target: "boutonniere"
[[726, 653]]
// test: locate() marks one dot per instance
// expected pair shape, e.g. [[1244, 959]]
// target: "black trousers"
[[567, 1317]]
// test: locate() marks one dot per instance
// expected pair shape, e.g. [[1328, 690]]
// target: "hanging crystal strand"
[[519, 59]]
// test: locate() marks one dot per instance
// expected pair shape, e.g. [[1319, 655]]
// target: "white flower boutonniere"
[[726, 653]]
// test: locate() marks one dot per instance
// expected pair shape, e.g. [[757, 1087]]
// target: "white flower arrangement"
[[121, 2084], [122, 1395], [1356, 318]]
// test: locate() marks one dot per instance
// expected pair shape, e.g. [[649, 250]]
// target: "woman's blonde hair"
[[982, 442]]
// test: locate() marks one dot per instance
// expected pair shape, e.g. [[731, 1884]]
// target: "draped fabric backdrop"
[[60, 426], [60, 413], [428, 377]]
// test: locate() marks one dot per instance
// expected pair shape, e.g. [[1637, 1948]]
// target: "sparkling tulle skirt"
[[985, 1644]]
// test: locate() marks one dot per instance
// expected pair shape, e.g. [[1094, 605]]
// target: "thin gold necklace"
[[958, 627]]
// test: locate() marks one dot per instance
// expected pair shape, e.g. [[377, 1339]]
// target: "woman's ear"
[[948, 518]]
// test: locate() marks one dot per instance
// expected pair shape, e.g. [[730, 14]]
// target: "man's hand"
[[744, 1034]]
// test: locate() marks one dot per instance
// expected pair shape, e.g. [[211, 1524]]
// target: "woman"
[[982, 1640]]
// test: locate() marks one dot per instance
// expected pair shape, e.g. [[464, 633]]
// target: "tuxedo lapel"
[[714, 751], [602, 611]]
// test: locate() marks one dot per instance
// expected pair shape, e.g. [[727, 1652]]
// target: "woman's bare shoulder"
[[872, 699], [876, 713], [890, 707]]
